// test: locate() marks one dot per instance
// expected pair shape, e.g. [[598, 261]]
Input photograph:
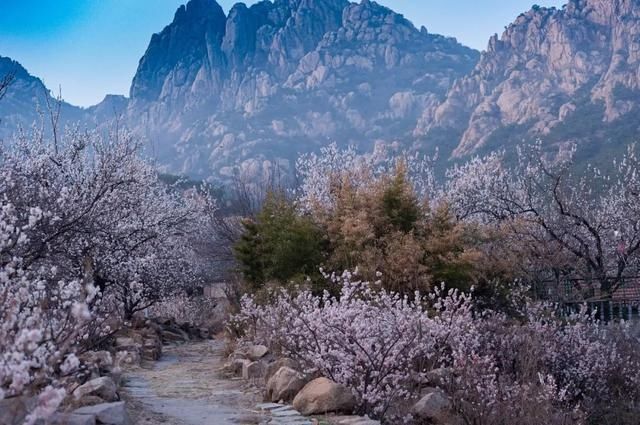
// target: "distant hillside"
[[24, 97], [568, 75]]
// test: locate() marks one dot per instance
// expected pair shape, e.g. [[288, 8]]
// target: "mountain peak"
[[287, 73], [552, 75], [198, 10]]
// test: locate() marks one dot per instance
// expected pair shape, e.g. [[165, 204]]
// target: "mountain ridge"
[[551, 67], [246, 92]]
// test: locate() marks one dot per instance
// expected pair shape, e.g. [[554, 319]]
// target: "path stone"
[[353, 420], [282, 414]]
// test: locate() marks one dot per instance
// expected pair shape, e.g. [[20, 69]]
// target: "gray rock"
[[435, 406], [256, 352], [88, 400], [71, 419], [102, 359], [103, 387], [322, 396], [237, 367], [107, 413], [272, 368], [254, 370], [14, 410], [284, 385]]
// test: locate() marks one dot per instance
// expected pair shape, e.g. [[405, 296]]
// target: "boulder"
[[322, 395], [125, 342], [107, 413], [14, 410], [254, 370], [284, 385], [435, 406], [88, 400], [272, 368], [103, 387], [256, 352], [71, 419]]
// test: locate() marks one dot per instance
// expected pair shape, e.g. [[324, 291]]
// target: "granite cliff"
[[562, 75]]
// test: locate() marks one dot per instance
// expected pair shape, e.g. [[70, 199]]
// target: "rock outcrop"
[[246, 92], [570, 74], [253, 89], [106, 413]]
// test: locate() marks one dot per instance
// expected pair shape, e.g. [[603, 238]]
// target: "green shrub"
[[280, 245]]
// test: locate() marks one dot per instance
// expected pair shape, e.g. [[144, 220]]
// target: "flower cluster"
[[386, 347], [87, 231], [319, 173], [586, 224]]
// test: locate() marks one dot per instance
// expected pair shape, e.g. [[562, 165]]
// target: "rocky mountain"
[[25, 101], [254, 88], [563, 75]]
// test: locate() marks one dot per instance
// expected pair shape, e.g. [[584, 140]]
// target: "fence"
[[622, 303]]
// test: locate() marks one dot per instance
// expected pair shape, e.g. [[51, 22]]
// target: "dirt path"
[[185, 388]]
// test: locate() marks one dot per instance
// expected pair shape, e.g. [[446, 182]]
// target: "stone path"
[[281, 414], [186, 388]]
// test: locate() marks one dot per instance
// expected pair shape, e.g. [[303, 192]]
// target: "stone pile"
[[286, 383]]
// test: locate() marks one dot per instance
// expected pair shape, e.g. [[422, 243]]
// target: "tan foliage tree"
[[383, 229]]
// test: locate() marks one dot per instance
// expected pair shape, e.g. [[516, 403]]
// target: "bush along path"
[[194, 383], [162, 372], [291, 396]]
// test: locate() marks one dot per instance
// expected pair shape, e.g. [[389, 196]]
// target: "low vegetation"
[[436, 292]]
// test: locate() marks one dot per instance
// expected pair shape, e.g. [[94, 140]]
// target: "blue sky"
[[91, 47]]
